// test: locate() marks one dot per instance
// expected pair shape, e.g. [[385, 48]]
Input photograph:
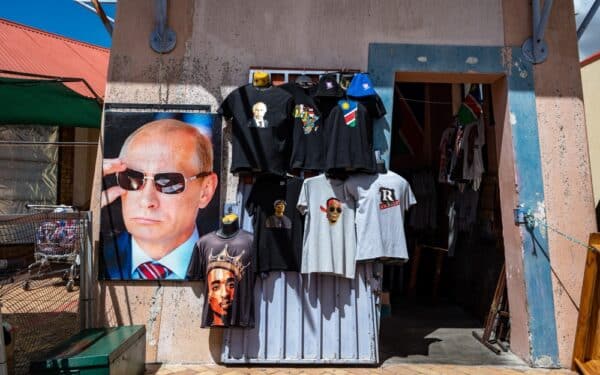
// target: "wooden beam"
[[587, 336]]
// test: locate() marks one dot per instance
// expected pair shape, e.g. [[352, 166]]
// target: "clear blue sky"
[[63, 17]]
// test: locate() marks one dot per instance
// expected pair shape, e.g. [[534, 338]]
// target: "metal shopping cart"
[[57, 247]]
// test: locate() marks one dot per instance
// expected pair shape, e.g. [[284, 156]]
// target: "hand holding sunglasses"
[[110, 166]]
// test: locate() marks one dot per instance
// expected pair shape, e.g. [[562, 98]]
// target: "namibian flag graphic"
[[349, 108], [470, 110]]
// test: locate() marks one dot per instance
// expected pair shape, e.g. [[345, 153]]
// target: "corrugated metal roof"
[[28, 50]]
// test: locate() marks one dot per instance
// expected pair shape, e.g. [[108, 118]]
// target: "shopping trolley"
[[56, 250]]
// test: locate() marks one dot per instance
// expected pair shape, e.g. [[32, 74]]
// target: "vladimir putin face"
[[259, 110], [163, 192]]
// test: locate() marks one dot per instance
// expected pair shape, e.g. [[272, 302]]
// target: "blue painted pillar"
[[387, 59], [530, 182]]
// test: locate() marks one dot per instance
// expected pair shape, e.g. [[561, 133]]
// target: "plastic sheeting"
[[28, 173]]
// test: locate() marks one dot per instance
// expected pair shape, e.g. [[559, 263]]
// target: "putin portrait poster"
[[159, 191]]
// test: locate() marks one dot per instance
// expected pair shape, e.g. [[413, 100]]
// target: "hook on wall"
[[162, 38]]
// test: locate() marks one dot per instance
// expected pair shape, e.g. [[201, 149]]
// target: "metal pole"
[[588, 18], [535, 12], [162, 38], [540, 29], [3, 358], [86, 275]]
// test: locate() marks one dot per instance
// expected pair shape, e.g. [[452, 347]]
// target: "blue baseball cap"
[[360, 86]]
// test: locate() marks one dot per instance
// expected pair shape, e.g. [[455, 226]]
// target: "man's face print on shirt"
[[333, 210], [221, 290], [387, 198], [259, 109], [224, 271], [278, 219]]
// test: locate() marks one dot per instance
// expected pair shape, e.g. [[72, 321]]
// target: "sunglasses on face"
[[166, 183], [334, 209]]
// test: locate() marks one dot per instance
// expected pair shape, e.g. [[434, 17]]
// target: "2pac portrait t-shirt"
[[329, 242], [262, 125], [278, 225], [225, 264], [381, 202]]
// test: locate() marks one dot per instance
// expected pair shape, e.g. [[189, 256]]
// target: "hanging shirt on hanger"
[[349, 138], [446, 147], [261, 128], [307, 148], [329, 243], [474, 142], [278, 225], [381, 203], [226, 266]]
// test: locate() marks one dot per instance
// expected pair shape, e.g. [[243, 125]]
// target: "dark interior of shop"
[[439, 297]]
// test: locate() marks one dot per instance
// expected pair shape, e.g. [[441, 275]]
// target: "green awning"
[[46, 102]]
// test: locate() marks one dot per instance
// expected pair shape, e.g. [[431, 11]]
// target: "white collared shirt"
[[177, 260]]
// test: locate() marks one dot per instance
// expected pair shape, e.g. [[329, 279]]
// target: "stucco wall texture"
[[565, 166], [218, 41]]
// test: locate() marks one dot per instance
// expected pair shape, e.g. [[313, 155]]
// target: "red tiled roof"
[[27, 50]]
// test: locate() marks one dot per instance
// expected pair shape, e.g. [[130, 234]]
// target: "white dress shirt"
[[177, 260]]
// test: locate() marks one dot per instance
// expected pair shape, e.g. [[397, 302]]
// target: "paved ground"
[[47, 313], [400, 369], [436, 334], [41, 316]]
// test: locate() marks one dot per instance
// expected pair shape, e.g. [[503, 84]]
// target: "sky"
[[589, 43], [64, 17], [70, 19]]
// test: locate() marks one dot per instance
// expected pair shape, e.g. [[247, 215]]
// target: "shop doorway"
[[434, 302]]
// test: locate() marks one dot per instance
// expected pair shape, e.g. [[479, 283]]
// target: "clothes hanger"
[[304, 80]]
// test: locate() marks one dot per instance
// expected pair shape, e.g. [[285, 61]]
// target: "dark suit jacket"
[[255, 125], [117, 257]]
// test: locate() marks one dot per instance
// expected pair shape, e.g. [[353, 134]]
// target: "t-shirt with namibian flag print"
[[348, 133]]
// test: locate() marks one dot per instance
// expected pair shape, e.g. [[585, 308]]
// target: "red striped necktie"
[[153, 271]]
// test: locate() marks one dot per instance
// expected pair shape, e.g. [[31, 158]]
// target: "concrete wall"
[[567, 183], [566, 169], [590, 78], [218, 41]]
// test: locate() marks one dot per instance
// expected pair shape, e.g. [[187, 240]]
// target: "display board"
[[159, 190]]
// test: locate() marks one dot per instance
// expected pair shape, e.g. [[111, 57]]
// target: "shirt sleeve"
[[302, 204], [408, 198], [250, 202], [225, 108], [197, 267]]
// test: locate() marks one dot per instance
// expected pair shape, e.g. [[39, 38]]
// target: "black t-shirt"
[[226, 266], [349, 138], [307, 149], [277, 235], [261, 128]]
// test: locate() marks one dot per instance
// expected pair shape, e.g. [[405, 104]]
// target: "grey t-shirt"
[[329, 242], [381, 201]]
